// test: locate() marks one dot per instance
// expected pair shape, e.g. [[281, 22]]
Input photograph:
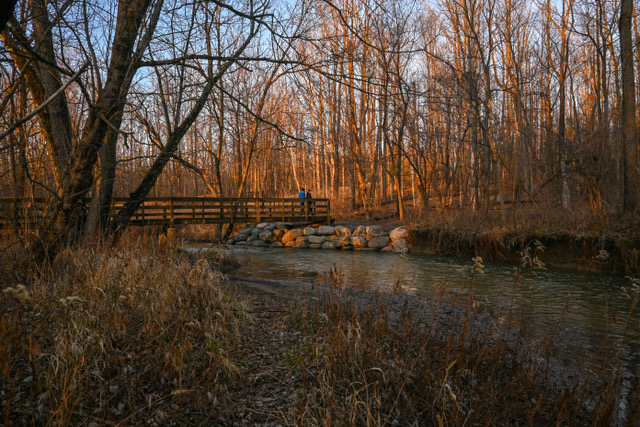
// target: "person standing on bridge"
[[307, 195], [301, 196]]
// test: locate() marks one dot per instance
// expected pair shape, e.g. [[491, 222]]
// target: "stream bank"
[[608, 252]]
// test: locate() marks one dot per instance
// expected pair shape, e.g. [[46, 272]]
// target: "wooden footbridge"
[[172, 211]]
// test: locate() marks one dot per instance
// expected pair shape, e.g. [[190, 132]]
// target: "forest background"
[[480, 105]]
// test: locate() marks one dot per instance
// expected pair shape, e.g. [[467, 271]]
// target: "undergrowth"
[[133, 334]]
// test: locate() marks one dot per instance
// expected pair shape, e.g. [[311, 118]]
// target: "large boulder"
[[317, 239], [342, 231], [401, 244], [247, 231], [292, 235], [253, 238], [399, 233], [328, 245], [373, 231], [256, 232], [267, 236], [241, 237], [326, 230], [270, 227], [262, 225], [360, 230], [302, 239], [379, 242], [310, 231], [358, 242]]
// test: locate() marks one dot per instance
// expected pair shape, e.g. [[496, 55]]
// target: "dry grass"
[[132, 334], [143, 334], [371, 360]]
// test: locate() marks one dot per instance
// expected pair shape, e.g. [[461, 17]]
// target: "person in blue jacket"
[[301, 196]]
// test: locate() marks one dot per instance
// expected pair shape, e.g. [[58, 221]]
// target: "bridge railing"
[[188, 210]]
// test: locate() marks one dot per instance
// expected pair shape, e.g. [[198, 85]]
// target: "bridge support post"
[[171, 235]]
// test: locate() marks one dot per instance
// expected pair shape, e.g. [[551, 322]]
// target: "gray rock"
[[379, 242], [358, 242], [301, 245], [292, 235], [373, 231], [328, 245], [401, 244], [399, 233], [310, 231], [360, 230], [342, 231], [270, 227], [262, 225], [246, 230], [314, 246], [267, 236], [326, 230], [259, 243], [283, 225], [256, 232], [252, 238], [317, 240], [241, 237]]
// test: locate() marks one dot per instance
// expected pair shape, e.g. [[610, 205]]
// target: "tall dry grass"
[[133, 334], [383, 359]]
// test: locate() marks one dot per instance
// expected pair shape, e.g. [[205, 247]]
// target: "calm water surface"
[[580, 307]]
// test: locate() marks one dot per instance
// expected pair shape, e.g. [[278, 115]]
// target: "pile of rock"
[[363, 237]]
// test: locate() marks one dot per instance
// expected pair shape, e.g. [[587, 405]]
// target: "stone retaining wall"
[[363, 237]]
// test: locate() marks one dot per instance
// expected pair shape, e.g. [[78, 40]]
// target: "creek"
[[581, 309]]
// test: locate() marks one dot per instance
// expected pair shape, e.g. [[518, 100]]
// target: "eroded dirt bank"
[[614, 253]]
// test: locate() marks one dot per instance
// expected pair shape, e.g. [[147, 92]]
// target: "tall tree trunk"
[[629, 128]]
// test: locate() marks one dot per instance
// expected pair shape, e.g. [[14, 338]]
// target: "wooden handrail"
[[171, 211]]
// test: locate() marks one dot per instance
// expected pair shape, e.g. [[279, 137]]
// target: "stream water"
[[581, 308]]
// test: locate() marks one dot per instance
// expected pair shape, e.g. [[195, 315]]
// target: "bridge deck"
[[172, 211]]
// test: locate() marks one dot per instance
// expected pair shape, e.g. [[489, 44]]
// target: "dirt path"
[[267, 391]]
